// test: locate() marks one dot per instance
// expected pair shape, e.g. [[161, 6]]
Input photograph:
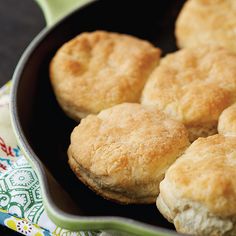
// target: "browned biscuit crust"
[[210, 22], [194, 86], [227, 121], [98, 70], [198, 193], [123, 152]]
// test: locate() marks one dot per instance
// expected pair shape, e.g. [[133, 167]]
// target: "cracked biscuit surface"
[[194, 86], [100, 69], [198, 193], [123, 152], [207, 22]]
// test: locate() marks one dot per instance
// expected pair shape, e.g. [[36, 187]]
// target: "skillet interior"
[[45, 126]]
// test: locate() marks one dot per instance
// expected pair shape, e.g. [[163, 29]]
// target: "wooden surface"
[[20, 22]]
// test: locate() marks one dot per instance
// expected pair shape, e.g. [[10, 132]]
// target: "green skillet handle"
[[54, 10]]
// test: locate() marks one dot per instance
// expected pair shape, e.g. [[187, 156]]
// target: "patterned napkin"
[[21, 207]]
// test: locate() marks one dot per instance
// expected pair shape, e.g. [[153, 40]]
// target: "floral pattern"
[[21, 207], [24, 227]]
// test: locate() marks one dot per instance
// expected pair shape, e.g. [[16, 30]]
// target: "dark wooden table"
[[20, 22]]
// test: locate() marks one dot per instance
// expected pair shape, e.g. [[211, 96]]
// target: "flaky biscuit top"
[[100, 69], [128, 143], [210, 22], [205, 174], [193, 85]]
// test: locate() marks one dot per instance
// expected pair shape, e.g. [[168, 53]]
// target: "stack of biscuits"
[[157, 129]]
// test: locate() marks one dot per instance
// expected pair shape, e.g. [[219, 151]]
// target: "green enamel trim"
[[54, 10]]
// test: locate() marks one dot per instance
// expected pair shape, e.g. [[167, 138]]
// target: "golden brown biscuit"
[[198, 193], [194, 86], [207, 21], [98, 70], [123, 152], [227, 121]]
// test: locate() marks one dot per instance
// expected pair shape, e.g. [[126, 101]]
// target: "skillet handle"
[[54, 10]]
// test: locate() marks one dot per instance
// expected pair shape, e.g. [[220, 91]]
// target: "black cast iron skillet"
[[43, 130]]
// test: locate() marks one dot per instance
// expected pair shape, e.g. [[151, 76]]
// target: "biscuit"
[[98, 70], [123, 152], [207, 22], [194, 85], [227, 121], [198, 193]]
